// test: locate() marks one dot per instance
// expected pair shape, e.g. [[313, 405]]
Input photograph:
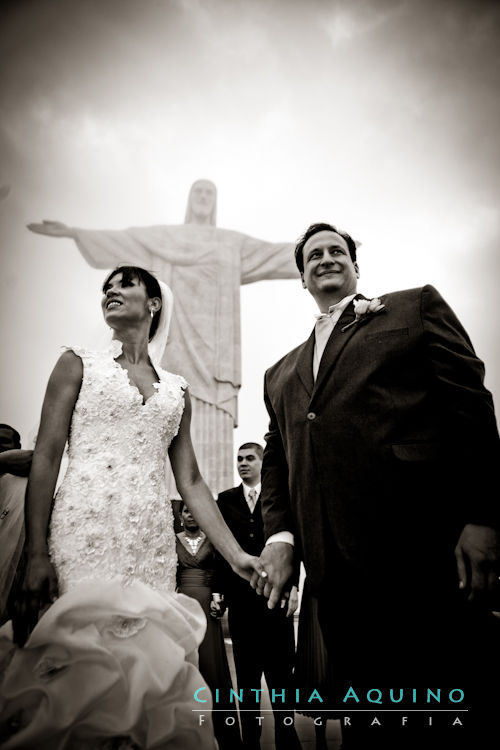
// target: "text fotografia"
[[359, 721], [376, 696]]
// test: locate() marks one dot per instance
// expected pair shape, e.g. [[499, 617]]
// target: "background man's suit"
[[263, 639], [377, 466]]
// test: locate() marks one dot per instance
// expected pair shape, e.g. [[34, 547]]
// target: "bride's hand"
[[246, 565], [51, 229], [39, 590]]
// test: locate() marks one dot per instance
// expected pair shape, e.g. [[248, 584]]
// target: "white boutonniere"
[[363, 309]]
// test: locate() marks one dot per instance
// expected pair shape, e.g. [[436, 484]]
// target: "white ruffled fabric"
[[107, 666]]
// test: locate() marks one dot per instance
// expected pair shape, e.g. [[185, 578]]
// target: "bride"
[[109, 651]]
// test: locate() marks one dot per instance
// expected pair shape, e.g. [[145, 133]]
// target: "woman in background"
[[197, 577]]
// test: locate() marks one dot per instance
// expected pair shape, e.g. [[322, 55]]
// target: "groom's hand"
[[478, 561], [276, 559]]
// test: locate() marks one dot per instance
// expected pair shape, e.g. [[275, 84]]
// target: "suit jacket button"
[[252, 535], [311, 416]]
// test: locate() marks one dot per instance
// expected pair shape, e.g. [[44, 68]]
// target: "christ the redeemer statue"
[[204, 266]]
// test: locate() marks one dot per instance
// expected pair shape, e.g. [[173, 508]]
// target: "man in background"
[[263, 639]]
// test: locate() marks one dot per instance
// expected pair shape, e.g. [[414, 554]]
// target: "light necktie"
[[325, 323], [252, 499]]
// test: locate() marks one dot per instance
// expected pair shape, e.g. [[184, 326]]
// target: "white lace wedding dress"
[[111, 664]]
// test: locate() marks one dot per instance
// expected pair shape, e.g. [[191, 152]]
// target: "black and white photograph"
[[250, 363]]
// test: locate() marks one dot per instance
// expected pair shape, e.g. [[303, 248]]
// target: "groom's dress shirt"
[[325, 323]]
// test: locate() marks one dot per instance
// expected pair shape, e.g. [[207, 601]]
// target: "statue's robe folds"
[[204, 267]]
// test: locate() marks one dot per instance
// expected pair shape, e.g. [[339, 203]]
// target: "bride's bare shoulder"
[[69, 366]]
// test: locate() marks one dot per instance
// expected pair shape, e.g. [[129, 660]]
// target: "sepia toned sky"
[[379, 115]]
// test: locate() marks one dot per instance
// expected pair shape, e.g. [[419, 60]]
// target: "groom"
[[381, 428]]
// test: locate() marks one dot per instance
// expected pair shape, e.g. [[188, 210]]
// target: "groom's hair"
[[314, 229], [149, 281]]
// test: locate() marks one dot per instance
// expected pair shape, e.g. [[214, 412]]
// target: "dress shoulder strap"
[[172, 378], [80, 351]]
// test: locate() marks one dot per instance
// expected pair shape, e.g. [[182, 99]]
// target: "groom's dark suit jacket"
[[381, 461]]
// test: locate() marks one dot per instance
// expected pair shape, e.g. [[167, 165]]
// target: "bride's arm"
[[200, 502], [40, 583]]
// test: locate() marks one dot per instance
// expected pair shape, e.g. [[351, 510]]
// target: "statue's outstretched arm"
[[52, 229], [266, 260], [102, 248]]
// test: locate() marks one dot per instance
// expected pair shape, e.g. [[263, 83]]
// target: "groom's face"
[[328, 268]]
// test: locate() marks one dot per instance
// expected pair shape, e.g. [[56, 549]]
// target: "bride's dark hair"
[[149, 281]]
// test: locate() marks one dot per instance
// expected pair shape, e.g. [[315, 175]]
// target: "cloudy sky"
[[379, 115]]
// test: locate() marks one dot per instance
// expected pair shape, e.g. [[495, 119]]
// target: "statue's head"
[[202, 203]]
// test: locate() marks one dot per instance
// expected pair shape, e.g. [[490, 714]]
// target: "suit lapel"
[[333, 349], [336, 344], [304, 364], [242, 501]]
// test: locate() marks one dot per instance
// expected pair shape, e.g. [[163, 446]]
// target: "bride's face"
[[124, 302]]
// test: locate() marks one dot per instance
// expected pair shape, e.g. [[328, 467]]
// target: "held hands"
[[39, 590], [276, 564], [247, 566], [478, 562], [51, 229], [292, 600]]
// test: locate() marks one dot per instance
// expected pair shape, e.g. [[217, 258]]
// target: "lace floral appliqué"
[[126, 627], [112, 517]]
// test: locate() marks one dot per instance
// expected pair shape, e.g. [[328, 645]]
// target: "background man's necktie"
[[252, 499]]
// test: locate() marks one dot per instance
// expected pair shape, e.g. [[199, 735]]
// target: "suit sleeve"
[[275, 496], [467, 407]]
